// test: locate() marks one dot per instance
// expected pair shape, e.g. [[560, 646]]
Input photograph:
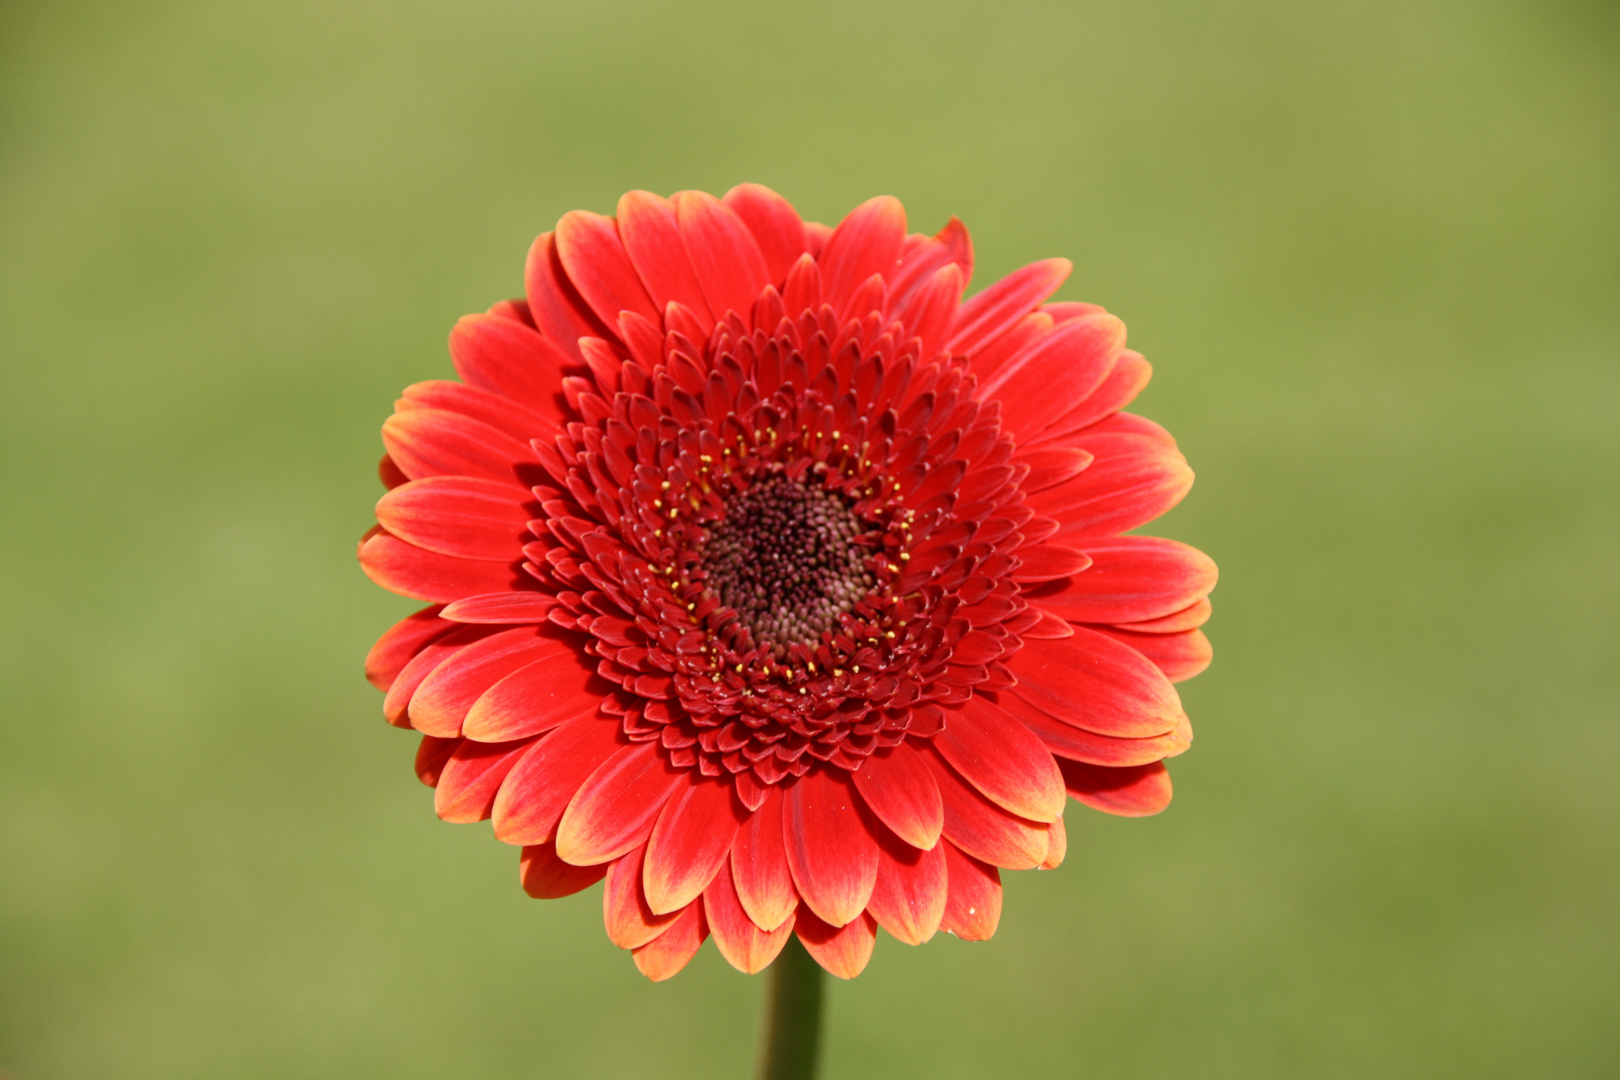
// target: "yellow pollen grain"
[[659, 502], [905, 556], [886, 633], [664, 486]]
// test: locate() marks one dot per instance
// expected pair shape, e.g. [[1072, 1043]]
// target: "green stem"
[[790, 1035]]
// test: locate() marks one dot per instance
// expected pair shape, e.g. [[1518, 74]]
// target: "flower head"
[[777, 585]]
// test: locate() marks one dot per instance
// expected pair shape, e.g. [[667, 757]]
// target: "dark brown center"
[[788, 560]]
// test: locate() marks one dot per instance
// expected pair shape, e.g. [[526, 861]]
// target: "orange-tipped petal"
[[690, 842], [665, 955], [1057, 845], [468, 782], [426, 575], [841, 950], [630, 920], [759, 867], [909, 898], [615, 808], [1131, 579], [401, 642], [1094, 682], [744, 945], [552, 689], [830, 850], [546, 877], [979, 826], [540, 785], [900, 790], [973, 908], [1179, 656], [1137, 791], [1065, 365], [1133, 479], [1003, 759]]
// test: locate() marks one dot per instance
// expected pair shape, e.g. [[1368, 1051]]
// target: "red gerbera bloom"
[[777, 585]]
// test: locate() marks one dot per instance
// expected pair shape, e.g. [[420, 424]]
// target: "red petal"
[[435, 442], [426, 575], [467, 784], [510, 359], [652, 236], [1003, 759], [442, 700], [1130, 375], [614, 810], [759, 866], [590, 250], [900, 790], [459, 515], [546, 877], [977, 825], [1041, 383], [549, 691], [843, 951], [431, 755], [927, 315], [775, 225], [562, 316], [950, 245], [690, 842], [1131, 578], [744, 945], [533, 796], [1179, 656], [831, 852], [866, 242], [1133, 480], [1094, 682], [501, 413], [1138, 791], [909, 898], [666, 954], [1068, 741], [501, 608], [973, 908], [724, 253], [630, 921], [401, 642], [436, 652], [1188, 618], [1048, 562], [997, 308], [1051, 465]]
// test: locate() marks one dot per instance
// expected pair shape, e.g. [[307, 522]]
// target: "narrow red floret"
[[779, 586]]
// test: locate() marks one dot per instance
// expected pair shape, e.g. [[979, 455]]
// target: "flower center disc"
[[788, 559]]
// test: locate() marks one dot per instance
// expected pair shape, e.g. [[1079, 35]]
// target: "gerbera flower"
[[777, 585]]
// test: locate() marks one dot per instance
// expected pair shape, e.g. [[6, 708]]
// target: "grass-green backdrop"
[[1373, 251]]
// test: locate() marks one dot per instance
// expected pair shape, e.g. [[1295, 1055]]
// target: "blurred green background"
[[1373, 251]]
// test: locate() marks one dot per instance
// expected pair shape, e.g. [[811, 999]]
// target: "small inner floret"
[[788, 560]]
